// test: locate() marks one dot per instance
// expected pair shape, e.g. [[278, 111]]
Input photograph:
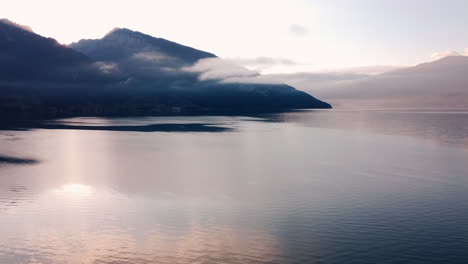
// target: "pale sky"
[[293, 35]]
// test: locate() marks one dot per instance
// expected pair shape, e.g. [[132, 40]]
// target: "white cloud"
[[440, 55], [370, 70], [315, 81], [228, 71], [219, 69], [297, 30], [263, 63], [155, 58], [106, 67], [258, 79], [150, 56]]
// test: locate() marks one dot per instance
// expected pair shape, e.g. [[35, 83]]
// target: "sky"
[[268, 35]]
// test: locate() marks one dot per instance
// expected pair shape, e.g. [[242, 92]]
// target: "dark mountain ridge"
[[26, 55], [110, 47], [124, 73], [154, 65]]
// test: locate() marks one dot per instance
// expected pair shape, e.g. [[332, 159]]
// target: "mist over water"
[[319, 186]]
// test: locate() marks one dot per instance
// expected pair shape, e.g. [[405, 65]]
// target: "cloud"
[[155, 58], [314, 81], [319, 80], [268, 61], [219, 69], [150, 63], [284, 67], [262, 63], [106, 67], [370, 70], [228, 71], [150, 56], [443, 54], [258, 79], [440, 55], [297, 30]]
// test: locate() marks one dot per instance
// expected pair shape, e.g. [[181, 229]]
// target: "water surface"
[[321, 186]]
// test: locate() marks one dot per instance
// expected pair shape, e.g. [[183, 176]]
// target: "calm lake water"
[[324, 186]]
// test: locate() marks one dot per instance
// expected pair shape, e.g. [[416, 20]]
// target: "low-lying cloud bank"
[[441, 82], [229, 71], [262, 63], [219, 69]]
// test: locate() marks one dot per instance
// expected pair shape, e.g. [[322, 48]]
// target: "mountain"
[[122, 44], [124, 73], [148, 61], [158, 67], [38, 75], [440, 83], [28, 56]]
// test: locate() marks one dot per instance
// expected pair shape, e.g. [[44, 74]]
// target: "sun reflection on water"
[[75, 189]]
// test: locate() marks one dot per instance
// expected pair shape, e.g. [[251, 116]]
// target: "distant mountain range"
[[440, 83], [124, 73]]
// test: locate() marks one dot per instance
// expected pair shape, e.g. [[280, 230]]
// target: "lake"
[[316, 186]]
